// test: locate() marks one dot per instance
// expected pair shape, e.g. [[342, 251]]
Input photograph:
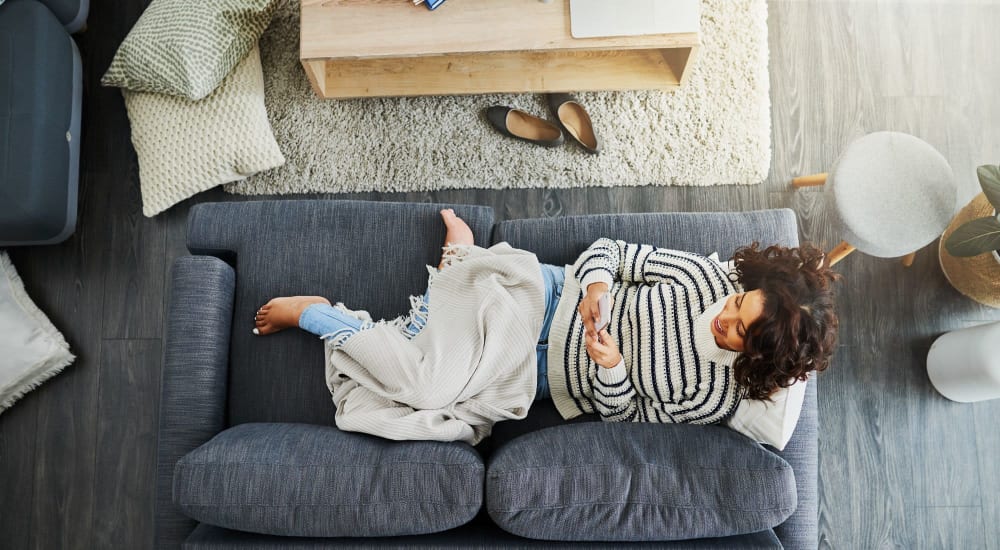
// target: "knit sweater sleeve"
[[614, 394], [616, 400], [702, 407], [607, 260]]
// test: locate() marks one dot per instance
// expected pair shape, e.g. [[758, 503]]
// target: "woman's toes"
[[260, 319]]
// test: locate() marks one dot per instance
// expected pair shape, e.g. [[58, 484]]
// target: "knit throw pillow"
[[187, 47], [186, 147]]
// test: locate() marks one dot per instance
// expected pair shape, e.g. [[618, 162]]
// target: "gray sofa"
[[231, 398]]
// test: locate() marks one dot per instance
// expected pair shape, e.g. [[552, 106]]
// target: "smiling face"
[[730, 326]]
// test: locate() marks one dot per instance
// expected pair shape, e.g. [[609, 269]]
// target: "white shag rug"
[[714, 130]]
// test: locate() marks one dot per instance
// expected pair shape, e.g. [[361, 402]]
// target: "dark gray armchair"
[[41, 91]]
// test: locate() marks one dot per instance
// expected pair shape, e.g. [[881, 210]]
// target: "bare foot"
[[282, 313], [458, 231]]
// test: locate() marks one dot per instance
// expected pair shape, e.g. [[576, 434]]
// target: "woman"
[[687, 340]]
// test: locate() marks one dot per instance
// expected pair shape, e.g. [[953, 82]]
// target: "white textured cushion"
[[33, 350], [186, 147], [771, 422]]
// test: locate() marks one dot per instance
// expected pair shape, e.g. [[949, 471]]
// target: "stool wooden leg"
[[810, 181], [839, 252], [908, 259]]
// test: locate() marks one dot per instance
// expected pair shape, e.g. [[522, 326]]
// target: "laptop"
[[598, 18]]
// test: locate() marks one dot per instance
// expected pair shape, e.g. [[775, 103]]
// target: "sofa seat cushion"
[[317, 481], [637, 482]]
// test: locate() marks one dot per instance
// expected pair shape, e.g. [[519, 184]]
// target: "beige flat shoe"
[[521, 125], [575, 121]]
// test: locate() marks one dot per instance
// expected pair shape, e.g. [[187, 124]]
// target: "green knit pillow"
[[187, 47]]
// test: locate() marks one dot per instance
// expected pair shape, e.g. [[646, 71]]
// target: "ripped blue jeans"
[[329, 322]]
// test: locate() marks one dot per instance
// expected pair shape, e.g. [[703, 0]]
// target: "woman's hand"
[[590, 312], [603, 349]]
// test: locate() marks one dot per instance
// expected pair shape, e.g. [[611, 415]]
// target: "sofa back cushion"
[[560, 240], [637, 482], [368, 255], [317, 481]]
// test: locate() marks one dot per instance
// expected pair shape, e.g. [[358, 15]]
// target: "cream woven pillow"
[[187, 47], [186, 147]]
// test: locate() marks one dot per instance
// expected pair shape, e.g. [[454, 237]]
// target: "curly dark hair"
[[797, 330]]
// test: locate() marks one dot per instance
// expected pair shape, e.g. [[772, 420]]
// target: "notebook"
[[593, 18]]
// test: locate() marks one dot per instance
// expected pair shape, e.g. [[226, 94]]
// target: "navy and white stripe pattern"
[[663, 301]]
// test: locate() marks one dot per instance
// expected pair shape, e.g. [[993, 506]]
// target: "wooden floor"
[[900, 466]]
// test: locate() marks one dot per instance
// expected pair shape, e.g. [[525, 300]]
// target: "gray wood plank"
[[866, 475], [948, 528], [986, 414], [133, 299], [945, 453], [821, 96], [73, 283], [17, 472], [124, 484], [911, 67]]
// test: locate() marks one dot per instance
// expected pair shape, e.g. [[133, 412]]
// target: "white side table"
[[964, 365]]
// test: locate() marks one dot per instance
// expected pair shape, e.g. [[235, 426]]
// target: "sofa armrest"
[[801, 530], [195, 375]]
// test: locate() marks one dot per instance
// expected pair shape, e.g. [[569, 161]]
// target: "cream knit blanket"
[[472, 365]]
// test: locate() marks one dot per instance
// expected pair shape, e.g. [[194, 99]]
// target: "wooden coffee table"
[[363, 48]]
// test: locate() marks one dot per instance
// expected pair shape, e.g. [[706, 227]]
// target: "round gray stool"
[[891, 193]]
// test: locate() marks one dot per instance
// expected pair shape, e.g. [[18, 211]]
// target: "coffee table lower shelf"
[[514, 71]]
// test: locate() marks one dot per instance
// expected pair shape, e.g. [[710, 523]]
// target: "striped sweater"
[[662, 304]]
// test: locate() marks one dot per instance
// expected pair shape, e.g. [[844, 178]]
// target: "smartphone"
[[604, 307]]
